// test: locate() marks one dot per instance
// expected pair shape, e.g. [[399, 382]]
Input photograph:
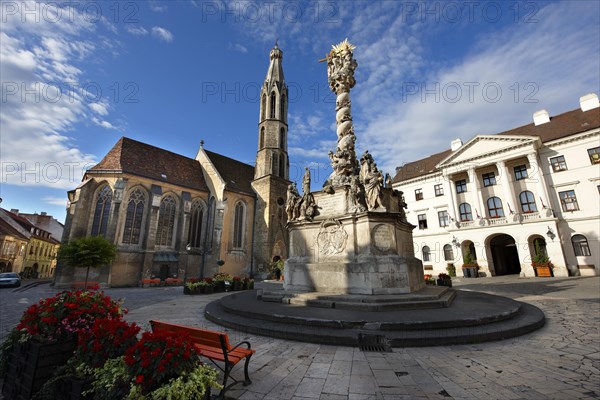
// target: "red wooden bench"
[[150, 282], [215, 346], [173, 281]]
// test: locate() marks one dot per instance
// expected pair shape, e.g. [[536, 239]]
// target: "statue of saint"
[[292, 199], [306, 182]]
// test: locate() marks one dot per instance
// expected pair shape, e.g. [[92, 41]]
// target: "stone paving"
[[559, 361]]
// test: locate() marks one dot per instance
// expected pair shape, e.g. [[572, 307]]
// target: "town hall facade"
[[171, 216]]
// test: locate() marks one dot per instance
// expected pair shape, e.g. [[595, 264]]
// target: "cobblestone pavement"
[[559, 361]]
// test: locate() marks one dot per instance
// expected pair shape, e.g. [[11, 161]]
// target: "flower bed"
[[218, 283], [90, 344]]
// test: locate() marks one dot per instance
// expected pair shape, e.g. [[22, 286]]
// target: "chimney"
[[541, 117], [14, 211], [43, 213], [589, 102], [398, 169], [456, 144]]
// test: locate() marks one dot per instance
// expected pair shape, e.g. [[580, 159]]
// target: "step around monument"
[[472, 317]]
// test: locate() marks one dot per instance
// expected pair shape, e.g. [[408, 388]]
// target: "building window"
[[465, 212], [439, 190], [520, 172], [422, 221], [263, 109], [282, 107], [102, 211], [580, 245], [281, 166], [558, 163], [527, 202], [238, 226], [196, 222], [261, 140], [489, 179], [274, 164], [448, 253], [495, 207], [568, 200], [594, 155], [461, 186], [166, 222], [418, 194], [426, 253], [133, 218], [272, 104], [282, 139], [443, 218]]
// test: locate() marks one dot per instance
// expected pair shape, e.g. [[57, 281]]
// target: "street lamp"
[[455, 241], [550, 234]]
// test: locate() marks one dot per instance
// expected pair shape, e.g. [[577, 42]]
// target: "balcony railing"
[[514, 218]]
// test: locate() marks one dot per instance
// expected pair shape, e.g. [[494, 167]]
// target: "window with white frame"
[[439, 190], [594, 155], [448, 252], [558, 163], [520, 172], [426, 253], [464, 210], [422, 218], [443, 218], [495, 209], [527, 202], [418, 194], [461, 186], [580, 245], [489, 179], [568, 200]]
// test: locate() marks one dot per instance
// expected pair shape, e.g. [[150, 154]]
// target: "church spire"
[[275, 71]]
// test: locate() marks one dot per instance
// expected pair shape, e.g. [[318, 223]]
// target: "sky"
[[76, 76]]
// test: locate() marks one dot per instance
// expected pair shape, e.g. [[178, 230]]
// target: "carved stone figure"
[[306, 181], [292, 198], [354, 196], [372, 180]]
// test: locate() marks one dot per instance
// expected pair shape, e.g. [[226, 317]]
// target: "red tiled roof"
[[560, 126], [236, 174], [141, 159], [27, 225], [6, 229]]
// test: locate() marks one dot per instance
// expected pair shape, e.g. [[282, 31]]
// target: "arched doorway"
[[505, 255]]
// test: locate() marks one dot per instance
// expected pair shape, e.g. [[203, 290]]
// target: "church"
[[171, 216]]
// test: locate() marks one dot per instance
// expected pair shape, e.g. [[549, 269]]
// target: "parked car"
[[10, 279]]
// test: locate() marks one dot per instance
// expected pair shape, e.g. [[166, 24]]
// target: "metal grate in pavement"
[[374, 343]]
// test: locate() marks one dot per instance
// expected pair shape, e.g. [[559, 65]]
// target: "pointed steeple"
[[275, 71]]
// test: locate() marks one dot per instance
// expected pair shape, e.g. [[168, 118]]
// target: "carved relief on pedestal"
[[332, 238]]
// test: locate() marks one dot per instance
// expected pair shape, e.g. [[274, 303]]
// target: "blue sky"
[[77, 76]]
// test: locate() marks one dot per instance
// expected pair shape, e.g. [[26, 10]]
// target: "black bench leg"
[[246, 376], [226, 376]]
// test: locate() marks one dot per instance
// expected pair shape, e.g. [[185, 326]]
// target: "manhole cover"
[[374, 343]]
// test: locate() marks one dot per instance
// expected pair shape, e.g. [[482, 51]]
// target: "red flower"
[[139, 379]]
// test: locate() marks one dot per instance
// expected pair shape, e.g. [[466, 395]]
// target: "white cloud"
[[237, 47], [162, 34], [157, 6], [42, 98], [56, 201], [137, 30], [103, 123]]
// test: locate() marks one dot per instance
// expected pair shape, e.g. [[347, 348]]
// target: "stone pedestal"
[[363, 253]]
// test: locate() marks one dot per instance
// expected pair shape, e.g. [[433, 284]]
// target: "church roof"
[[560, 126], [237, 175], [141, 159]]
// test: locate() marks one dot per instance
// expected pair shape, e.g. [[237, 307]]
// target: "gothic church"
[[176, 217]]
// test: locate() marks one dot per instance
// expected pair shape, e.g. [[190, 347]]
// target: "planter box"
[[442, 282], [543, 271], [471, 272], [31, 364], [72, 388]]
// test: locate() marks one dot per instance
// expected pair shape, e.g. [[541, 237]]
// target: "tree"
[[89, 252]]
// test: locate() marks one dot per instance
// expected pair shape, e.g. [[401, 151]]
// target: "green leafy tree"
[[89, 252]]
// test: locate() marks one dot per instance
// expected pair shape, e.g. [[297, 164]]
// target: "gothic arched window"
[[527, 202], [263, 108], [282, 107], [282, 165], [102, 211], [272, 105], [426, 253], [196, 222], [166, 221], [282, 139], [133, 218], [238, 226], [465, 212], [261, 140], [495, 207], [274, 166]]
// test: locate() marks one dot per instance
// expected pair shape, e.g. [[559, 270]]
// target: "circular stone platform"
[[472, 317]]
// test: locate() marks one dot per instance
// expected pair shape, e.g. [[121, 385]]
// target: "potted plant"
[[248, 283], [541, 263], [429, 280], [236, 283], [444, 280], [210, 287], [451, 270], [470, 267]]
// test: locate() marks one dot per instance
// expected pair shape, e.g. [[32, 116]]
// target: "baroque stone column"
[[542, 191], [507, 189], [451, 191], [476, 194]]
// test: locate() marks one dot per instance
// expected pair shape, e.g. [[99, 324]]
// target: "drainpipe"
[[252, 246]]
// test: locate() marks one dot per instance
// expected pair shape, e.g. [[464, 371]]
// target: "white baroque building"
[[496, 196]]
